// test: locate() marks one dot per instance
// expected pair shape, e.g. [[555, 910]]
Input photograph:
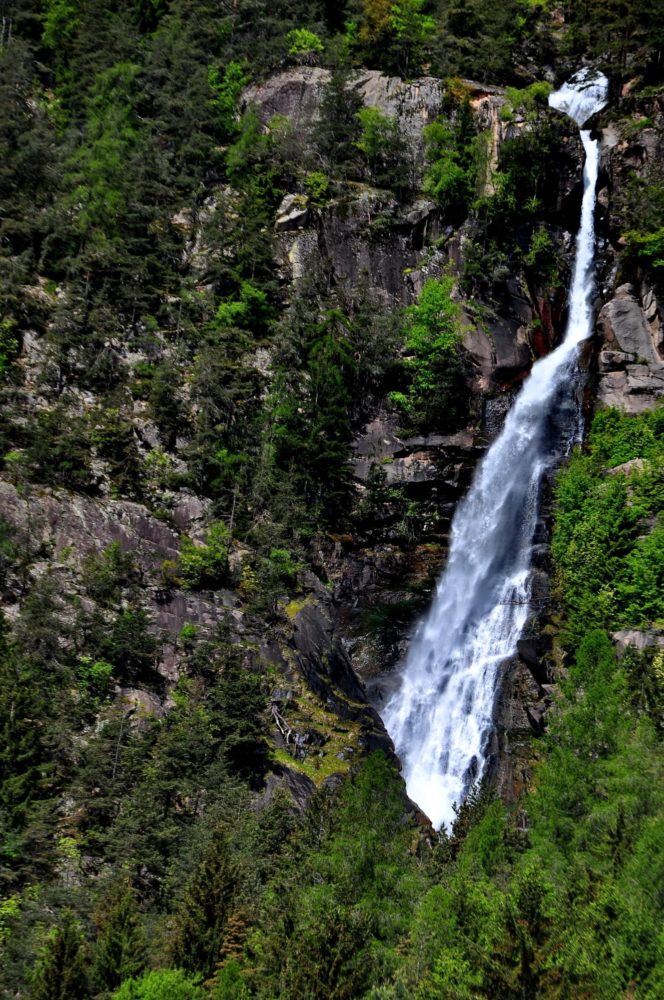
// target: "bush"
[[542, 257], [526, 101], [317, 186], [94, 675], [206, 565], [162, 984], [304, 45]]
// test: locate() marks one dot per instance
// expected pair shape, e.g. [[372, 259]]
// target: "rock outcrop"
[[631, 358]]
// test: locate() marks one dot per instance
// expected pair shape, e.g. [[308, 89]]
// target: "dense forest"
[[196, 798]]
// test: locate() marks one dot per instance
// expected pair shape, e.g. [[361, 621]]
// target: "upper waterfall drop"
[[441, 716], [582, 96]]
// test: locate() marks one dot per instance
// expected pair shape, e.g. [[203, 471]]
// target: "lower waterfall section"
[[441, 715]]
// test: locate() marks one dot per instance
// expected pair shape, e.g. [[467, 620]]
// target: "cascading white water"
[[441, 716]]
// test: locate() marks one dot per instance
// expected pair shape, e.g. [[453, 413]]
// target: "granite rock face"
[[631, 358], [363, 236], [296, 93]]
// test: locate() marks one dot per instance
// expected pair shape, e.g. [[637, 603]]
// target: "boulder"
[[292, 213]]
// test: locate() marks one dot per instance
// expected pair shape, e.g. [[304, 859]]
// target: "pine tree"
[[120, 949], [205, 909], [338, 130], [62, 971]]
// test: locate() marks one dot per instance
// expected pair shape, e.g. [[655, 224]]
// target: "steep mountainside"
[[270, 278]]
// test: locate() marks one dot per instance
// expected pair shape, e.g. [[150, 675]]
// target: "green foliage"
[[311, 418], [338, 129], [120, 951], [26, 775], [400, 30], [206, 565], [129, 645], [317, 186], [516, 218], [382, 144], [251, 310], [431, 362], [527, 101], [97, 169], [226, 89], [165, 403], [642, 201], [161, 984], [60, 23], [648, 247], [609, 569], [136, 243], [480, 41], [107, 574], [58, 450], [337, 920], [618, 35], [452, 150], [94, 675], [205, 909], [61, 972], [8, 346], [543, 258], [304, 45]]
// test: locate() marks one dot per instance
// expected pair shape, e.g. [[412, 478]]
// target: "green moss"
[[318, 767], [294, 607]]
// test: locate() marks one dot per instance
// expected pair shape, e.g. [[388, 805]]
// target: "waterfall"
[[441, 715]]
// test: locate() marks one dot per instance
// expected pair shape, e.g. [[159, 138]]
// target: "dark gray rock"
[[324, 662], [295, 784]]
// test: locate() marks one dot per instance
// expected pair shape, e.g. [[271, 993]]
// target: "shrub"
[[526, 101], [304, 45], [226, 89], [94, 675], [161, 984], [317, 186], [206, 565], [542, 258]]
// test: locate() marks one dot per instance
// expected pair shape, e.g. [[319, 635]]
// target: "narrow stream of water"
[[441, 715]]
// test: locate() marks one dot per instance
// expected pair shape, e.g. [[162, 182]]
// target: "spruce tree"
[[61, 973], [205, 909], [120, 949]]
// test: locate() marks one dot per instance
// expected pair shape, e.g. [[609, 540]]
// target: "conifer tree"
[[62, 971], [205, 909], [120, 949]]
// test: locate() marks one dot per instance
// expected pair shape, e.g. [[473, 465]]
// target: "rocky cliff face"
[[333, 647], [383, 575], [630, 323]]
